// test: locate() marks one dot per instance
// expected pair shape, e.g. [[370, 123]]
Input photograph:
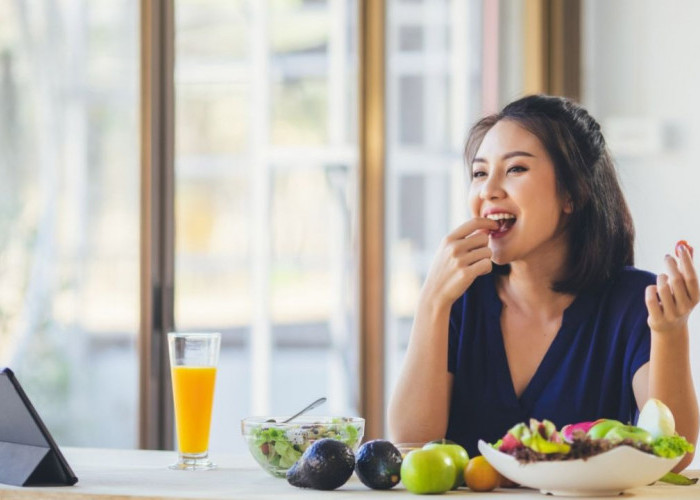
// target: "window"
[[69, 214], [266, 196], [433, 95], [266, 167]]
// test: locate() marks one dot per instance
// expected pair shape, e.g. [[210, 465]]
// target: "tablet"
[[28, 454]]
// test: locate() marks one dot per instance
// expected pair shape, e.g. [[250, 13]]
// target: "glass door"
[[434, 93], [266, 174], [69, 214]]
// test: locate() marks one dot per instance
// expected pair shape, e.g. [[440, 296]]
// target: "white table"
[[107, 474]]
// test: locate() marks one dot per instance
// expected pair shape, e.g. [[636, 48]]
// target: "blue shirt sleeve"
[[456, 315], [640, 346]]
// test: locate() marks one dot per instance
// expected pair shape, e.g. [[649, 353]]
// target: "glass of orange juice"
[[193, 360]]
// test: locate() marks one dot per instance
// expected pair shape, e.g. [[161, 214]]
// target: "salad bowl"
[[276, 446], [606, 474]]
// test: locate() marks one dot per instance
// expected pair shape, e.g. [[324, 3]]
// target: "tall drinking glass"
[[193, 360]]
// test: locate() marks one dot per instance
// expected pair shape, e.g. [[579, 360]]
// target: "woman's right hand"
[[462, 256]]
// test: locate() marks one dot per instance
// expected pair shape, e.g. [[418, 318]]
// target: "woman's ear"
[[568, 206]]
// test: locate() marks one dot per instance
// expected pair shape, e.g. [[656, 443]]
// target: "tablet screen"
[[21, 424]]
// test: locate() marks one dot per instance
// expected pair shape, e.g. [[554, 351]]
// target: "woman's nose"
[[492, 188]]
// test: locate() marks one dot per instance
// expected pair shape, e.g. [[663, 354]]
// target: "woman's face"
[[513, 181]]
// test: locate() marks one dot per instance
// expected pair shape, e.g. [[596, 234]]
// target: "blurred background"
[[266, 179]]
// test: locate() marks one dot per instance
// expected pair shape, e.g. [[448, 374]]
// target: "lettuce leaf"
[[671, 446]]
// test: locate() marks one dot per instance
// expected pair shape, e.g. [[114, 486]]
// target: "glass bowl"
[[276, 446], [406, 448]]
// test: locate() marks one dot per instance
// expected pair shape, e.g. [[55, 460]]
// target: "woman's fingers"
[[677, 285], [675, 293], [482, 266], [651, 298], [668, 304], [471, 242], [687, 269], [481, 224], [483, 253]]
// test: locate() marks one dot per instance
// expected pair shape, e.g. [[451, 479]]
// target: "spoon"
[[313, 405]]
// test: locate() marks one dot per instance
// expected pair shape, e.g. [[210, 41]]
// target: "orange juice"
[[193, 392]]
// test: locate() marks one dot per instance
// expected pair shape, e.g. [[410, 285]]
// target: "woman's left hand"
[[675, 294]]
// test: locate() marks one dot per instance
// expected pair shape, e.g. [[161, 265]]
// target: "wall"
[[641, 81]]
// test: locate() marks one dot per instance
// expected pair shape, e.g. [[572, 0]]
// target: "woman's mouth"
[[505, 223]]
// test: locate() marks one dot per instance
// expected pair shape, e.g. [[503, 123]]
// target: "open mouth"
[[505, 223]]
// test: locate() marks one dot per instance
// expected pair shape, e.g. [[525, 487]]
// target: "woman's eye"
[[478, 173], [517, 169]]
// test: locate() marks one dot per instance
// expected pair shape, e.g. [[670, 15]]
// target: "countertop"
[[108, 474]]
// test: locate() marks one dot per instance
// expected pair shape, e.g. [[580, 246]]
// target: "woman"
[[532, 308]]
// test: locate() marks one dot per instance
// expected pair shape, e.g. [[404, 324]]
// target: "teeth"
[[500, 216]]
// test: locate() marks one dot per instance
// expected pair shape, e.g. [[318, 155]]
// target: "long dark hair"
[[600, 228]]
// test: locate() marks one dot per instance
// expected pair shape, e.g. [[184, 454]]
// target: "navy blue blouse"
[[585, 374]]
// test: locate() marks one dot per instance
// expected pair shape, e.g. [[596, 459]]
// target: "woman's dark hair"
[[600, 228]]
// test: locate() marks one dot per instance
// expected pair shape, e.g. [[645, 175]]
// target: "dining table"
[[120, 474]]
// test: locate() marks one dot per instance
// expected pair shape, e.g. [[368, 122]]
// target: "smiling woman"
[[514, 182], [560, 326]]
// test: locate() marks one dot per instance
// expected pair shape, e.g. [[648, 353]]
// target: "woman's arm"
[[670, 379], [419, 407]]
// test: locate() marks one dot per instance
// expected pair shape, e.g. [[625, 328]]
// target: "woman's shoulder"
[[631, 278], [626, 290], [480, 294]]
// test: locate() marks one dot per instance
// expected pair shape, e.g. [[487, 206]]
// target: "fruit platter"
[[600, 458]]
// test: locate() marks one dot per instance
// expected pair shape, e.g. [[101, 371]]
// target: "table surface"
[[108, 474]]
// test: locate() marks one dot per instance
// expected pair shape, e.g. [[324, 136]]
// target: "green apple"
[[459, 457], [428, 471], [601, 428], [622, 432], [657, 418]]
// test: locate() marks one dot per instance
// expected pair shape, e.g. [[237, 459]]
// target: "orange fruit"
[[480, 475], [504, 482]]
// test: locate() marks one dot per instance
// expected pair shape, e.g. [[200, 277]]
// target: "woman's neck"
[[528, 288]]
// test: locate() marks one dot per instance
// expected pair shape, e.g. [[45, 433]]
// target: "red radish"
[[568, 430], [510, 442], [683, 243]]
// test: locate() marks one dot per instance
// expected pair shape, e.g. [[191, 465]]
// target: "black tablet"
[[28, 454]]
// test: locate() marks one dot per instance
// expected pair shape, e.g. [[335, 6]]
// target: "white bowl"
[[609, 473]]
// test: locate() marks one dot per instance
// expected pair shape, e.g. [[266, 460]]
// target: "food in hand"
[[657, 418], [378, 464], [459, 457], [683, 243], [479, 475], [325, 465], [428, 471]]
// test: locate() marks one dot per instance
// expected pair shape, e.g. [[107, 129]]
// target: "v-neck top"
[[585, 374]]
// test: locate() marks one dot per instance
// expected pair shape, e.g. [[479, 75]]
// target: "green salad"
[[281, 447]]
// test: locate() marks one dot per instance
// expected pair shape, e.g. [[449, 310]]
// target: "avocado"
[[325, 465], [378, 464]]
